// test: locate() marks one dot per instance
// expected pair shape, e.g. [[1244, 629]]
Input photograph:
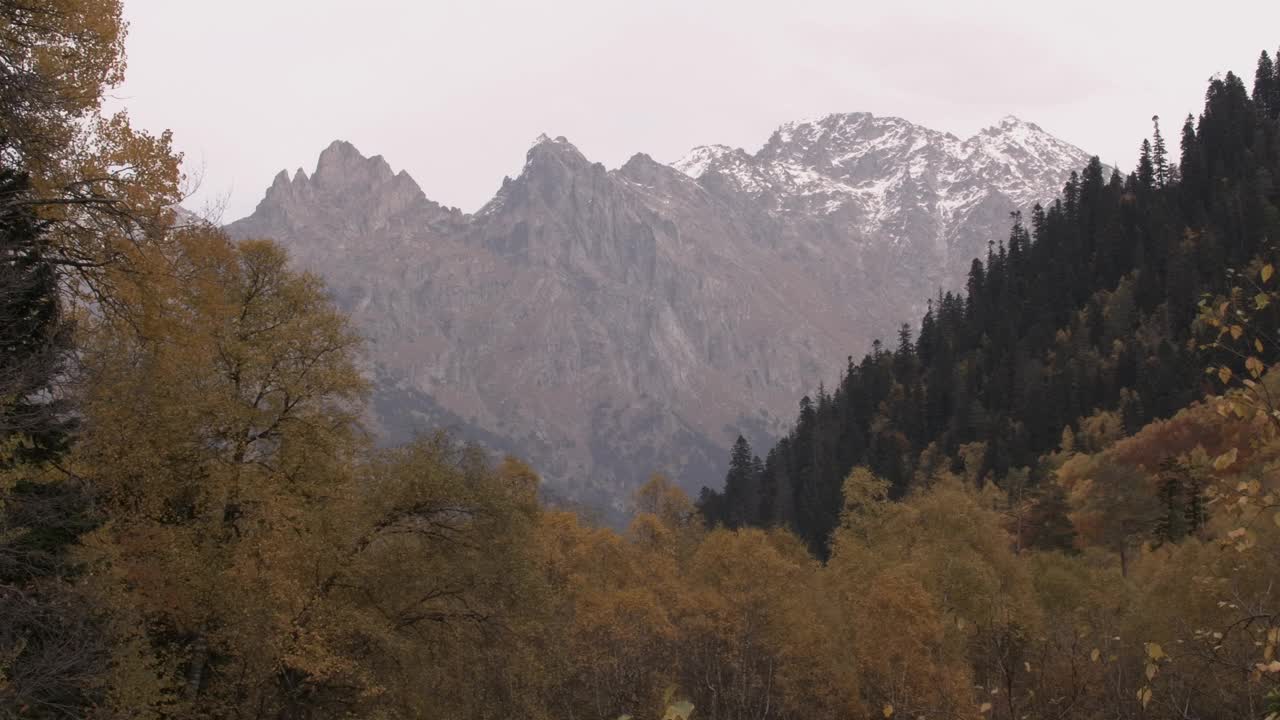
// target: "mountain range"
[[607, 324]]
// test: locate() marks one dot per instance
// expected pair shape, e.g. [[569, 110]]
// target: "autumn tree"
[[218, 417], [103, 189]]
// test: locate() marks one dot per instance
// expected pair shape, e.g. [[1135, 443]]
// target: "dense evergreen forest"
[[1085, 310], [1057, 502]]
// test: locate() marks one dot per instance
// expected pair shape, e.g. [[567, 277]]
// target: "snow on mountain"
[[866, 161]]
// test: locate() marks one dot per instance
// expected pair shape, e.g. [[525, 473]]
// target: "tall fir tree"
[[33, 335], [1159, 154], [1264, 86], [1146, 167], [1171, 523]]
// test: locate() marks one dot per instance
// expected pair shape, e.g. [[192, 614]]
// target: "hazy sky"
[[455, 92]]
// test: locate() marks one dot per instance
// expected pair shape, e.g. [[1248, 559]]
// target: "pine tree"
[[1275, 88], [1196, 513], [51, 641], [711, 506], [905, 346], [1191, 192], [1264, 86], [1159, 155], [741, 486], [1146, 167], [33, 335], [1171, 525]]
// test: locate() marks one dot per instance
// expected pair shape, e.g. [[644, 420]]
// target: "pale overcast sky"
[[455, 92]]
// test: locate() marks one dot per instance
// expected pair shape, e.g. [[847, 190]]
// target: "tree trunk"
[[195, 673]]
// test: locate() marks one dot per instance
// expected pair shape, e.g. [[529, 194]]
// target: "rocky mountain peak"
[[346, 191], [554, 150], [550, 175], [698, 160], [642, 168], [839, 136], [606, 324], [280, 183], [341, 165], [1013, 124]]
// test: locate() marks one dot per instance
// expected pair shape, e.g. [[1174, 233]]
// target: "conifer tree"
[[1264, 86], [32, 333], [1146, 167], [741, 486], [1159, 154], [1196, 511], [1275, 87], [52, 645], [1171, 525]]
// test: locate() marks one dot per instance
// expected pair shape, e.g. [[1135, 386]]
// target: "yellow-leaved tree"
[[933, 597], [219, 420], [256, 555], [105, 188]]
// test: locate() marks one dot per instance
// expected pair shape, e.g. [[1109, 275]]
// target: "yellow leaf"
[[1267, 272], [1224, 374], [1144, 696], [1226, 459], [682, 710], [1254, 366], [1236, 332], [888, 710], [1261, 301], [1152, 669], [1096, 654], [985, 707], [1154, 651]]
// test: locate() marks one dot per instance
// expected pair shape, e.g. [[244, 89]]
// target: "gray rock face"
[[607, 324]]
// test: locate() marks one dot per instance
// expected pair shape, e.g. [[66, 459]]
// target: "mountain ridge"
[[614, 322]]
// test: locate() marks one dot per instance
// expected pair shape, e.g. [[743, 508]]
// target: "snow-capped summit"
[[884, 182], [826, 164], [697, 160]]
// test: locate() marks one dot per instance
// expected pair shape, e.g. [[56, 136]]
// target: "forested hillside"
[[194, 523], [1082, 315]]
